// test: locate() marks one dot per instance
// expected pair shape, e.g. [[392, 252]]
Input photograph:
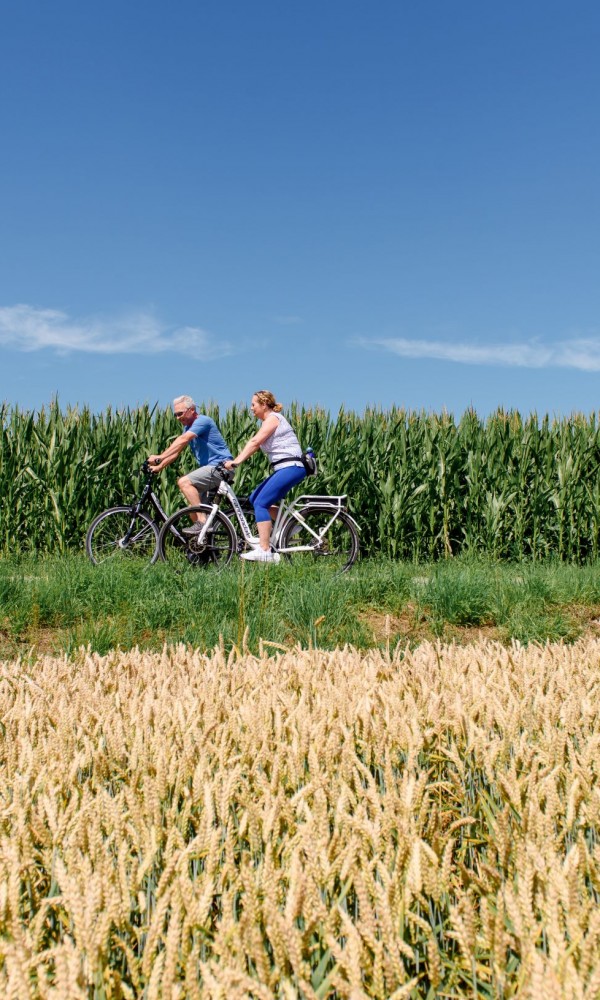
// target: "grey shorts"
[[205, 478]]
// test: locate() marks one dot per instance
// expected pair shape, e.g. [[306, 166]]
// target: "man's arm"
[[158, 462]]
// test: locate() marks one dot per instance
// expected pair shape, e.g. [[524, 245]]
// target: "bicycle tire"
[[182, 551], [119, 533], [338, 547]]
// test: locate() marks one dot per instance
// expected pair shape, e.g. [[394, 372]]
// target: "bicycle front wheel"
[[180, 549], [328, 539], [118, 533]]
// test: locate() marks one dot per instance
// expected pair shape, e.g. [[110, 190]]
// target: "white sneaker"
[[259, 555]]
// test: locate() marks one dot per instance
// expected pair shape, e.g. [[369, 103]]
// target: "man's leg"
[[195, 484], [192, 496]]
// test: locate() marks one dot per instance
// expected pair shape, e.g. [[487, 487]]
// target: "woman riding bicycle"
[[278, 441]]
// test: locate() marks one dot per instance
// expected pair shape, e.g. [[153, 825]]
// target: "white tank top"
[[282, 443]]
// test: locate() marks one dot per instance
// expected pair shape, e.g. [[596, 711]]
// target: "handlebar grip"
[[227, 474]]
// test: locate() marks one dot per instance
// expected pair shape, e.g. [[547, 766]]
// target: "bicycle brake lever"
[[227, 474]]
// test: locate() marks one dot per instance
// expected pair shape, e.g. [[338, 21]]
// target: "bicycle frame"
[[148, 498], [225, 490], [285, 513]]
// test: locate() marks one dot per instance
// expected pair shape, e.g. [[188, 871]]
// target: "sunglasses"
[[179, 413]]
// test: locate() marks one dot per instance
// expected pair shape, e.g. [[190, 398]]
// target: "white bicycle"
[[313, 527]]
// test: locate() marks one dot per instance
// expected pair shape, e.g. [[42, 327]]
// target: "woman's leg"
[[266, 496], [264, 533], [260, 499]]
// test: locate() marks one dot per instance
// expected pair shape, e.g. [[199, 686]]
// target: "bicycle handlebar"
[[227, 474], [146, 466]]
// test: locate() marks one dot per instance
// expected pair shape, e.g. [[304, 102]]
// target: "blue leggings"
[[273, 489]]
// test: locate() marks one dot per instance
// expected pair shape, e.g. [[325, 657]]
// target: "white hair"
[[186, 400]]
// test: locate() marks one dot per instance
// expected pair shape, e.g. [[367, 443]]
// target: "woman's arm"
[[268, 427]]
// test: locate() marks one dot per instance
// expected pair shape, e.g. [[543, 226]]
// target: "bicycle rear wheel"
[[182, 551], [118, 533], [331, 544]]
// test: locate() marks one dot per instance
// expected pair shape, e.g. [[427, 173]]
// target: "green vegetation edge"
[[55, 604]]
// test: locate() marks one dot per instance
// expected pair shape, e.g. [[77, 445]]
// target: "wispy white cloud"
[[26, 328], [581, 352]]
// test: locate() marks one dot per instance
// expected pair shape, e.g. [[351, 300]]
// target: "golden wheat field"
[[302, 825]]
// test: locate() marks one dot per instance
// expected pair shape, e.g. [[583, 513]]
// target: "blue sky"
[[347, 203]]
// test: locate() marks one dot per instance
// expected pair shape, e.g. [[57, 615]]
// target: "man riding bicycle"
[[206, 441]]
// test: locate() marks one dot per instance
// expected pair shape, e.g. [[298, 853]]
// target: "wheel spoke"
[[329, 542], [106, 535], [182, 551]]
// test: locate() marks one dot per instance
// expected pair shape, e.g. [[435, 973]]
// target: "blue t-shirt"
[[208, 446]]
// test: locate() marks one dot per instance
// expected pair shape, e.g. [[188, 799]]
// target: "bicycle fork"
[[130, 535]]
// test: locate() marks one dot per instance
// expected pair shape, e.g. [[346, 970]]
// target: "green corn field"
[[422, 485]]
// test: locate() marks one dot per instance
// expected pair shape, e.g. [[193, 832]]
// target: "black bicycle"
[[132, 531], [128, 531]]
